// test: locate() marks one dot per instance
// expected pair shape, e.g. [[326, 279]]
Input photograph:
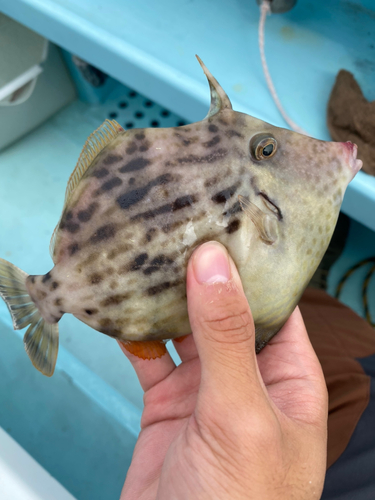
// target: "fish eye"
[[263, 146]]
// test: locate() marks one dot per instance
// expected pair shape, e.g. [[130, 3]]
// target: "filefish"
[[140, 201]]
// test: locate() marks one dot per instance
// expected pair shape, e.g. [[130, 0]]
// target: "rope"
[[364, 285], [265, 9]]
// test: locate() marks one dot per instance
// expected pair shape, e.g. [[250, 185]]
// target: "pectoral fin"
[[265, 224]]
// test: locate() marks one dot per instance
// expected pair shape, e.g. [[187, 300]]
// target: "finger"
[[293, 346], [186, 348], [150, 371], [222, 325]]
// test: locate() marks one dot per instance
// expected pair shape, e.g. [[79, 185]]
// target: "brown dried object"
[[351, 117]]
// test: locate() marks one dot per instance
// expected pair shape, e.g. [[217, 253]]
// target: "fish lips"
[[351, 150]]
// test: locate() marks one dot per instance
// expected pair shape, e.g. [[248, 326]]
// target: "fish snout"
[[350, 152]]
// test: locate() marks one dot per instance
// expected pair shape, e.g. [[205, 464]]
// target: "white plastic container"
[[34, 82]]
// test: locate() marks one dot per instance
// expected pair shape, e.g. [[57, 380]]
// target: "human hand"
[[227, 424]]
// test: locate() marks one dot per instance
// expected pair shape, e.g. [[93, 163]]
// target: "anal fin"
[[150, 349]]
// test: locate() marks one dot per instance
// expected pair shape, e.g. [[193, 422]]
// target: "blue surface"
[[78, 428], [150, 46], [81, 424], [34, 173]]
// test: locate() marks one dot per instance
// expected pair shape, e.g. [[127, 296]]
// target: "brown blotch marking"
[[108, 327], [213, 128], [150, 234], [233, 133], [140, 136], [85, 215], [116, 251], [233, 226], [105, 232], [144, 147], [69, 215], [110, 159], [167, 228], [234, 209], [320, 229], [90, 312], [131, 181], [134, 165], [154, 290], [32, 279], [90, 259], [157, 263], [73, 248], [210, 182], [138, 262], [46, 277], [113, 285], [58, 302], [41, 294], [100, 173], [107, 186], [95, 278], [186, 141], [109, 271], [215, 140], [309, 251], [314, 241], [224, 195], [114, 300], [210, 158], [54, 285], [71, 227], [177, 204], [132, 148], [132, 197]]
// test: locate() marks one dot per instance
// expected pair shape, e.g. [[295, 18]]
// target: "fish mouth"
[[271, 205], [354, 163]]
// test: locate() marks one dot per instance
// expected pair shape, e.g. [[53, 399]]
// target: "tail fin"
[[41, 339]]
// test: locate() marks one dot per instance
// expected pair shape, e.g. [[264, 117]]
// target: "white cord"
[[265, 9]]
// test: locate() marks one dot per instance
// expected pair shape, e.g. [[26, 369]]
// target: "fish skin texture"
[[151, 196]]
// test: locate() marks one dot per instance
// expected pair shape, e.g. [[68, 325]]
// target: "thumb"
[[222, 326]]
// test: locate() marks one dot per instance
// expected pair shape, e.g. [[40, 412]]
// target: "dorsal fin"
[[219, 99], [95, 143]]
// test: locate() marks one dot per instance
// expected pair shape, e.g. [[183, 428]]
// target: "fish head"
[[292, 188], [299, 179]]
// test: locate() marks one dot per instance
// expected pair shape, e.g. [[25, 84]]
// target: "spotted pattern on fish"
[[136, 164], [153, 195]]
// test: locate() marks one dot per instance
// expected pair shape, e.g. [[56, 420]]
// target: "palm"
[[287, 369]]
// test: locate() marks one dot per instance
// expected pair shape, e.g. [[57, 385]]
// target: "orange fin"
[[180, 339], [150, 349]]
